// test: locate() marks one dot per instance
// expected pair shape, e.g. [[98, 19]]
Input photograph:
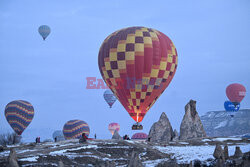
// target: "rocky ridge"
[[219, 123]]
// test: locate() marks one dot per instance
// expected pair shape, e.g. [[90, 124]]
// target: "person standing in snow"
[[83, 139], [37, 139]]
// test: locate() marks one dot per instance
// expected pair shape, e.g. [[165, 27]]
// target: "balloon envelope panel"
[[74, 129], [140, 136], [114, 127], [235, 92], [137, 63], [19, 114]]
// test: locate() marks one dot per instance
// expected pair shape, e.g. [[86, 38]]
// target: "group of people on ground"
[[38, 140], [126, 137]]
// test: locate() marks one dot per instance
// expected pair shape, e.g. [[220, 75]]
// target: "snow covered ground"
[[119, 151], [226, 138], [190, 153]]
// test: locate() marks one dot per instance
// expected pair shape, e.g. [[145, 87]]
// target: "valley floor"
[[98, 152]]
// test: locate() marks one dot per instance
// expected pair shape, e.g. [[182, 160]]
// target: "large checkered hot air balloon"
[[235, 93], [114, 127], [137, 63], [44, 31], [74, 129], [109, 97], [19, 114]]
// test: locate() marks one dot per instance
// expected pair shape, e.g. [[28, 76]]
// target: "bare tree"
[[9, 139]]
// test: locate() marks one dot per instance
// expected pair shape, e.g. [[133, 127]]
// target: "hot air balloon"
[[109, 97], [235, 93], [44, 31], [58, 134], [230, 108], [140, 136], [74, 129], [19, 114], [114, 127], [137, 64]]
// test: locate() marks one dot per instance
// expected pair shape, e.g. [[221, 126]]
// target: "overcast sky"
[[212, 39]]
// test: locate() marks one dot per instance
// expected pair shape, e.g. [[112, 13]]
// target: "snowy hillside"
[[219, 123]]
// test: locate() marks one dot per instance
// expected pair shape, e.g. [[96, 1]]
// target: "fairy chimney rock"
[[161, 131], [191, 126], [116, 136]]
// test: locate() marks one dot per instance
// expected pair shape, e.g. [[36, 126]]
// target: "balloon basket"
[[236, 104], [137, 126]]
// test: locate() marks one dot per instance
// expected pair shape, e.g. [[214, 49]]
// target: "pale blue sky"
[[211, 37]]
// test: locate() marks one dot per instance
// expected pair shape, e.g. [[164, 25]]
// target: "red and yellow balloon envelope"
[[19, 114], [137, 63], [114, 127], [235, 93], [74, 129]]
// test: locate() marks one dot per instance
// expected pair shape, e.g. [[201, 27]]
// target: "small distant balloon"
[[109, 97], [44, 31], [59, 135], [19, 114], [114, 127], [74, 129]]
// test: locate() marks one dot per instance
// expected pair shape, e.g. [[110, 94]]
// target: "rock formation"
[[197, 163], [12, 159], [218, 153], [60, 164], [116, 136], [246, 159], [191, 126], [238, 153], [176, 135], [1, 148], [161, 131], [135, 160], [219, 163], [226, 155]]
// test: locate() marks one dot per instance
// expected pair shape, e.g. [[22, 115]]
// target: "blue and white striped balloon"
[[44, 31], [109, 97]]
